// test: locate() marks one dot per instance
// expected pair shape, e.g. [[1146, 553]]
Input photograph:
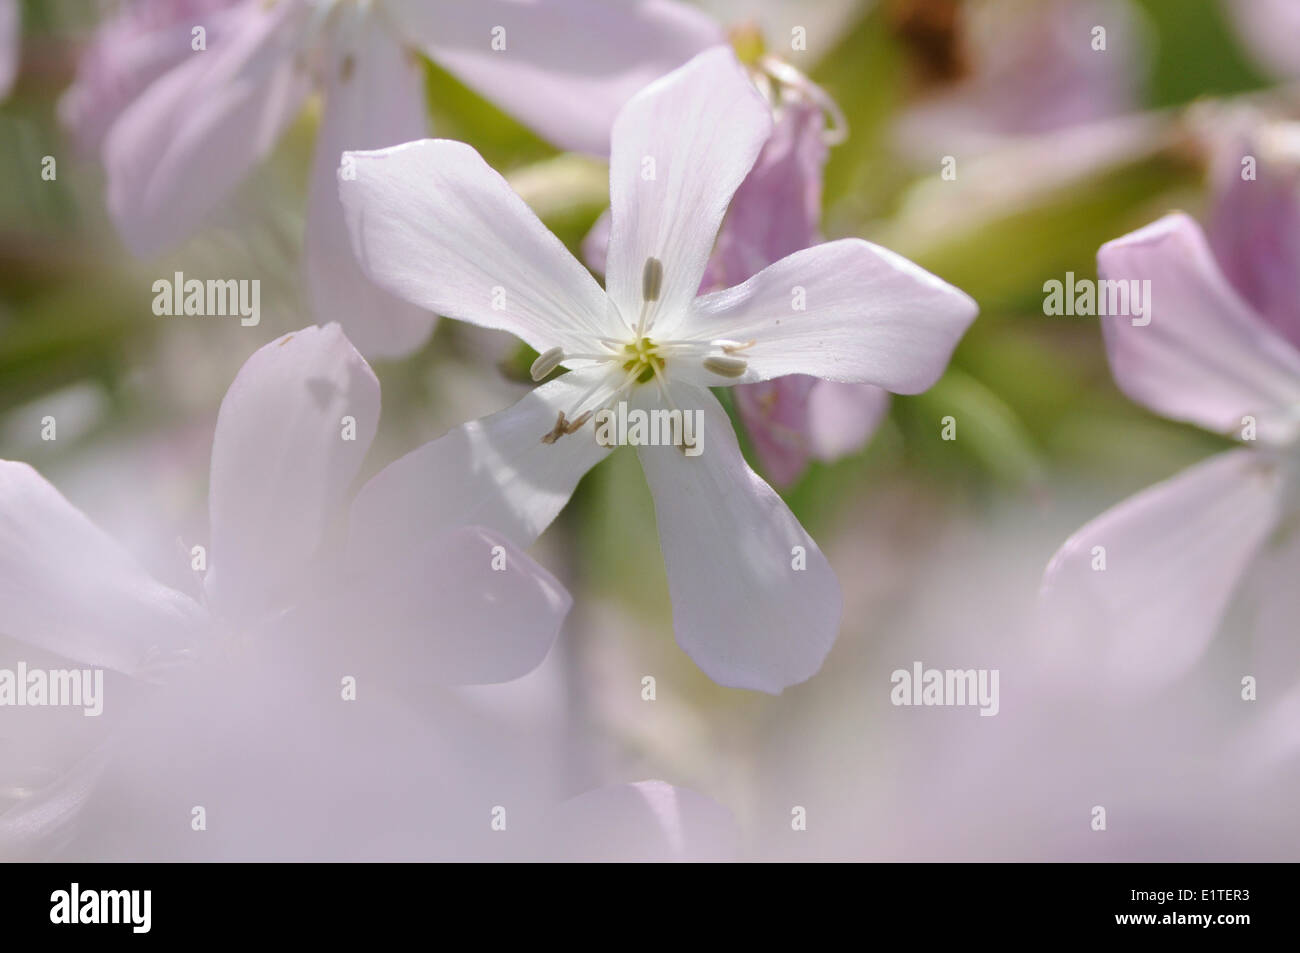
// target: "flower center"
[[636, 361]]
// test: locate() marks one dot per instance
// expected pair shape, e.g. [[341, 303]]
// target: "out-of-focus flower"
[[129, 51], [777, 212], [431, 222], [176, 152], [1021, 68], [1254, 218], [1271, 30], [1143, 588], [286, 616], [11, 34]]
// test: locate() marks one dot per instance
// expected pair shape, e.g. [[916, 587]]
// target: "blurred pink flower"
[[1271, 31], [1254, 219], [179, 148], [144, 40], [1030, 69], [11, 35], [284, 613], [1144, 586], [433, 223]]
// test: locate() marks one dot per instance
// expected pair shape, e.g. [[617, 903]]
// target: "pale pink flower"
[[283, 615], [1271, 31], [175, 154], [755, 603], [1142, 589], [11, 35]]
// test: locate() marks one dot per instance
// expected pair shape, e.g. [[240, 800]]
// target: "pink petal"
[[178, 151], [1205, 357], [68, 588], [1173, 556], [283, 459], [567, 67], [434, 225], [374, 97], [755, 603]]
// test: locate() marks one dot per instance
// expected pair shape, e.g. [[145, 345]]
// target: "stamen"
[[652, 279], [546, 362], [731, 347], [726, 366]]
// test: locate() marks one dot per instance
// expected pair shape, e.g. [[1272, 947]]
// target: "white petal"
[[463, 607], [741, 609], [646, 822], [1173, 556], [176, 152], [374, 98], [494, 472], [681, 148], [844, 311], [283, 458], [432, 223], [1205, 357], [66, 587], [564, 68]]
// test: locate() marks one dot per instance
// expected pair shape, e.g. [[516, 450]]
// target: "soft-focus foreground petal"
[[1139, 592], [649, 821], [291, 435], [465, 607], [131, 49], [755, 603], [373, 98], [845, 311], [44, 821], [494, 472], [435, 225], [177, 152], [11, 33], [681, 148], [564, 68], [66, 587], [1204, 357]]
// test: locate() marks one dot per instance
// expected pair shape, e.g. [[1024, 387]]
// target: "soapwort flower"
[[775, 212], [1145, 586], [755, 602], [177, 151], [284, 613]]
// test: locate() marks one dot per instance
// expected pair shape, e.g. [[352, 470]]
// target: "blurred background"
[[939, 544]]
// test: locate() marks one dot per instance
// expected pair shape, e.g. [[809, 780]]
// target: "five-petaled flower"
[[755, 602]]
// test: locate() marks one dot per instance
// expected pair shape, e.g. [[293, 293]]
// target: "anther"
[[652, 279], [546, 362], [560, 428], [726, 366]]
